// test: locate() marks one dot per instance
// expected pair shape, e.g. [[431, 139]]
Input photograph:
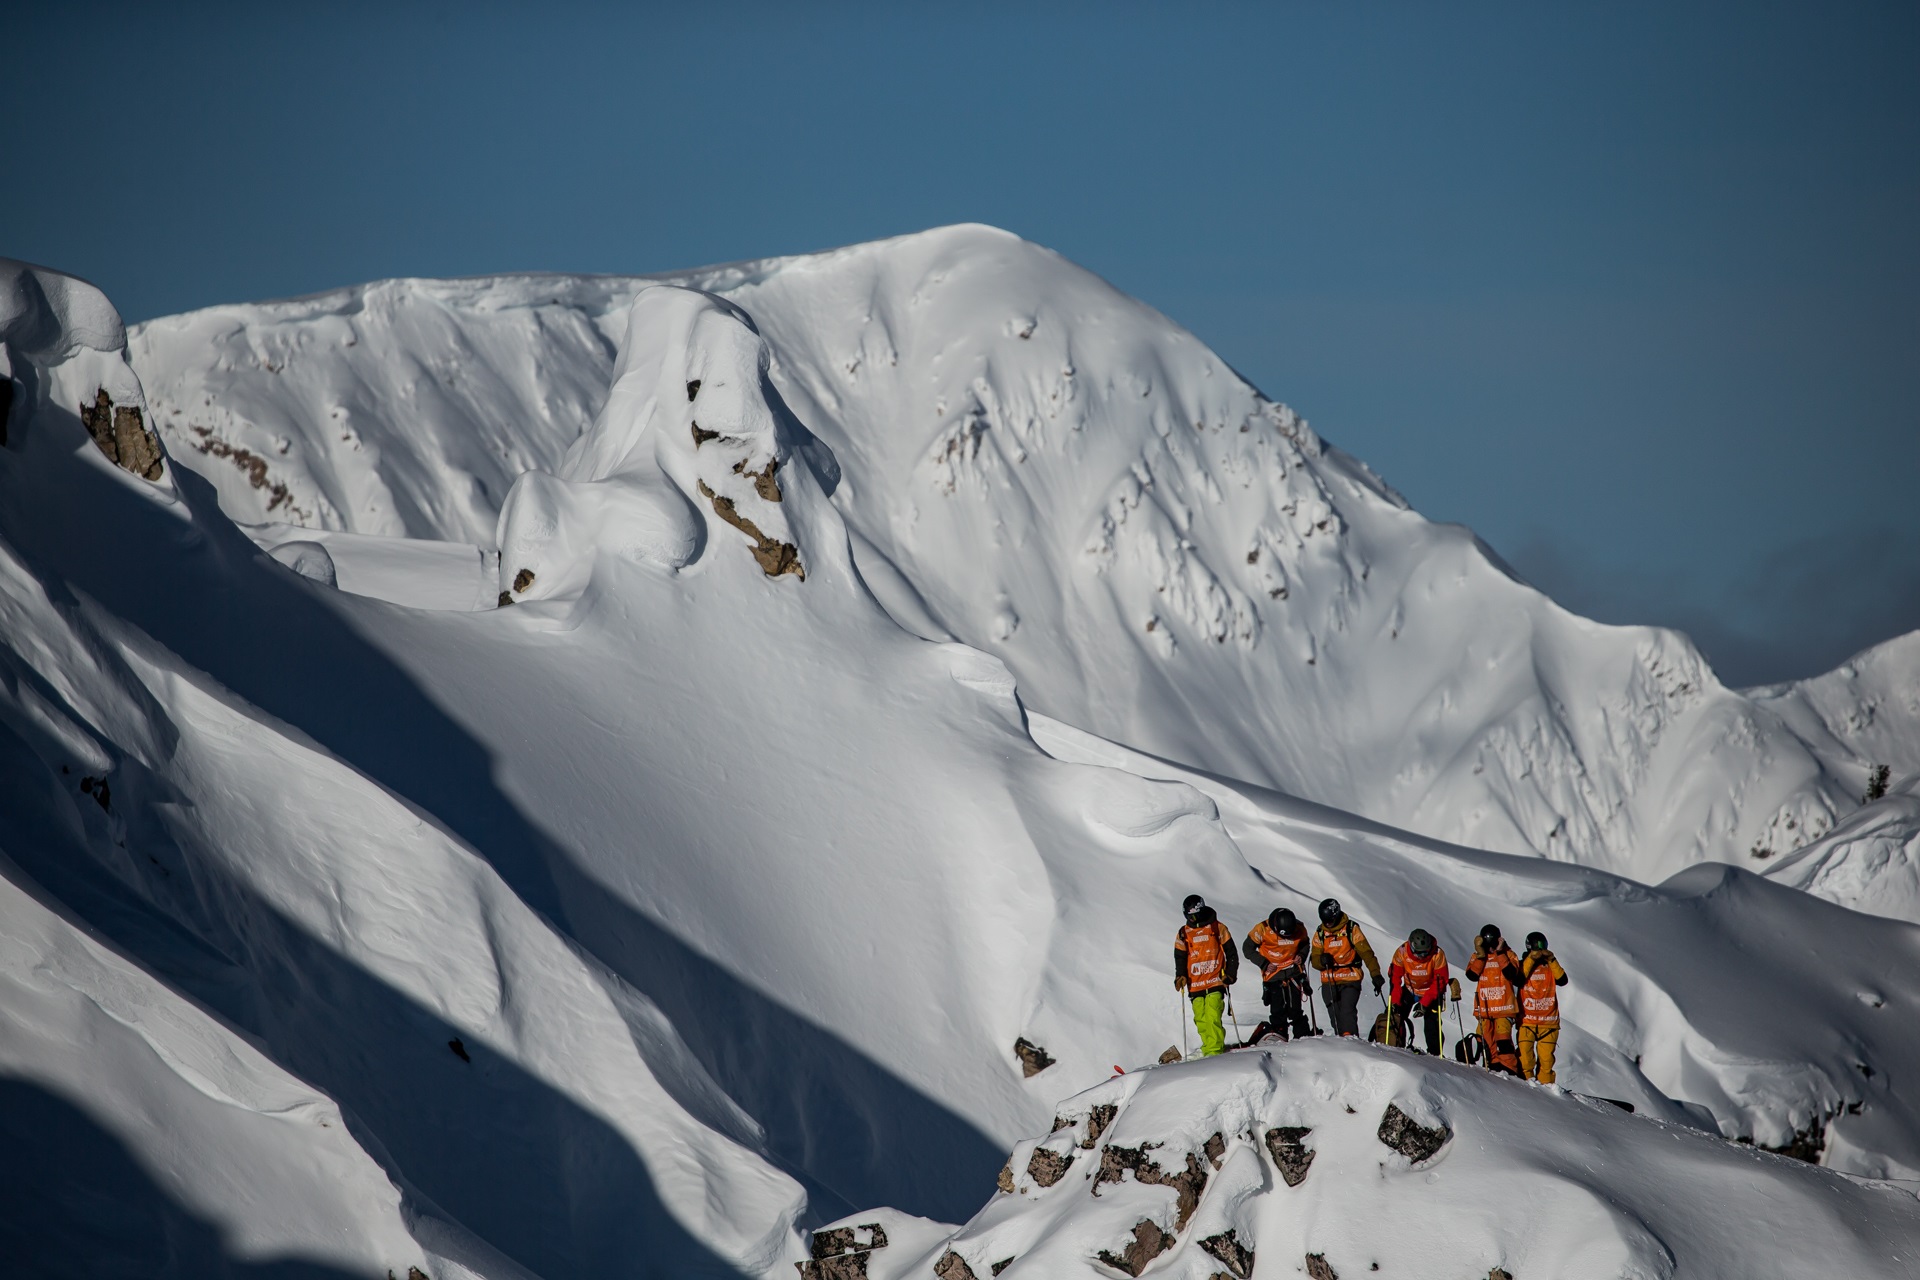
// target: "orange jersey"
[[1206, 948], [1278, 951], [1425, 976], [1494, 996], [1539, 994]]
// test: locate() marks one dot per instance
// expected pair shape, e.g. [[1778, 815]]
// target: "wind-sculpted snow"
[[1512, 1181], [690, 896], [1050, 471]]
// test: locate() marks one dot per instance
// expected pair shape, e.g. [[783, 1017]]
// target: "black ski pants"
[[1343, 1006], [1286, 1011], [1403, 1015]]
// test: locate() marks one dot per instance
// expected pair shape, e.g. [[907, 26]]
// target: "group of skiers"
[[1516, 1003]]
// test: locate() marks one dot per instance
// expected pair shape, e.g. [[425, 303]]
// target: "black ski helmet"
[[1330, 910], [1536, 941], [1193, 903], [1490, 934], [1420, 942], [1282, 921]]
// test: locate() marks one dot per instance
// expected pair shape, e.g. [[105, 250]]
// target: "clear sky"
[[1633, 291]]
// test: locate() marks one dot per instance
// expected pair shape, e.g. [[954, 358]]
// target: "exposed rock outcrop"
[[121, 433], [1234, 1256], [1148, 1243], [1411, 1139], [1033, 1059], [1290, 1154]]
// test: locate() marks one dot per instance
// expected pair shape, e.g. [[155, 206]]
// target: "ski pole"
[[1306, 995], [1178, 996], [1236, 1019]]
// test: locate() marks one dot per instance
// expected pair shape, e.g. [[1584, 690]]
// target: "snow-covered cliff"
[[1052, 472]]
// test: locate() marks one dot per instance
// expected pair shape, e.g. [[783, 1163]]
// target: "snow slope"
[[1053, 473], [734, 893]]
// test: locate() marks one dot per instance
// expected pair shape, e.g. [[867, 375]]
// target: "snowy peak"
[[1037, 465]]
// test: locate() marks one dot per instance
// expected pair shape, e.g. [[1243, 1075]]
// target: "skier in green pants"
[[1204, 966]]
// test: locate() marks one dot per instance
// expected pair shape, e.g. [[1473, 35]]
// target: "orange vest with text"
[[1277, 950], [1206, 957], [1540, 997], [1343, 958], [1417, 974], [1494, 996]]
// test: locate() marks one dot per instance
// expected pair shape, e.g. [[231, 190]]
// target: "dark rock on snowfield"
[[1413, 1140]]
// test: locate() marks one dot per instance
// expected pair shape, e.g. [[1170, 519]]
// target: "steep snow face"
[[1338, 1160], [497, 1102], [1863, 721], [1053, 473]]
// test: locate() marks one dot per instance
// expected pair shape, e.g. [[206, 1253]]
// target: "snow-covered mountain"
[[702, 892], [1053, 473]]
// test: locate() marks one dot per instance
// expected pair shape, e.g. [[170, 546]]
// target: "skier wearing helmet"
[[1419, 976], [1339, 950], [1279, 946], [1539, 1009], [1496, 1000], [1204, 966]]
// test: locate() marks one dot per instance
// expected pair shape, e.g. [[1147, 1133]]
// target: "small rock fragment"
[[1048, 1167], [1116, 1161], [1234, 1256], [522, 580], [840, 1253], [1215, 1148], [1005, 1180], [459, 1049], [763, 482], [701, 435], [953, 1267], [1499, 1273], [1097, 1123], [775, 558], [1033, 1059], [1171, 1055], [97, 788], [1412, 1140], [847, 1266], [1001, 1265], [122, 435], [693, 389], [1149, 1242], [506, 598], [843, 1240], [1317, 1268], [1290, 1154]]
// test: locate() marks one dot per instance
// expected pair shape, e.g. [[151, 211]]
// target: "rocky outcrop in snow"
[[1513, 1195]]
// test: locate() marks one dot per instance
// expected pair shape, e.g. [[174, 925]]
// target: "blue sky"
[[1633, 291]]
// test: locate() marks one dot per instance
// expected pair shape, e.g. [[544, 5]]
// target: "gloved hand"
[[1179, 983], [1378, 983]]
